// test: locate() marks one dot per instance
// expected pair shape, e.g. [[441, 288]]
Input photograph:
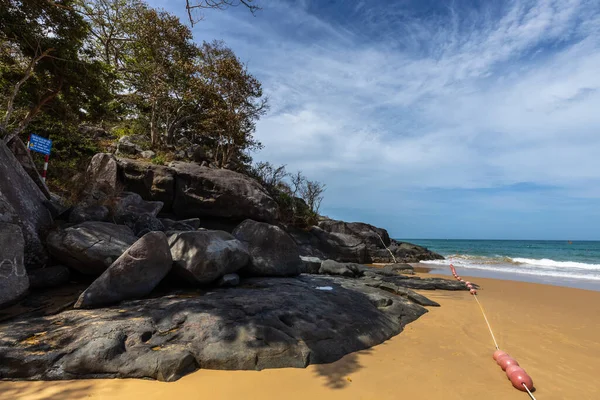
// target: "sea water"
[[564, 263]]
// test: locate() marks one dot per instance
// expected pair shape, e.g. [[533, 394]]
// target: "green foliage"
[[301, 212], [123, 65], [159, 159]]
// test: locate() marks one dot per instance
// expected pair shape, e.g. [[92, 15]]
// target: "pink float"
[[506, 361], [499, 353], [518, 377]]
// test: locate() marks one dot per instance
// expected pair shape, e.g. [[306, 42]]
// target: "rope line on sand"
[[516, 374], [494, 339], [486, 321]]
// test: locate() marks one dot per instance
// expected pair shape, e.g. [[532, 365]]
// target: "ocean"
[[562, 263]]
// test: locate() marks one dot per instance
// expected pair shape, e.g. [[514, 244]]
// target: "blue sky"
[[431, 118]]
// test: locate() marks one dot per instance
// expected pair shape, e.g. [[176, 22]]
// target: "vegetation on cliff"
[[86, 73]]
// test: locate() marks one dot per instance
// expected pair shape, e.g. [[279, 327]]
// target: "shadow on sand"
[[337, 374]]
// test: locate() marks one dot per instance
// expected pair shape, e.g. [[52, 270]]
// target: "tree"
[[216, 4], [312, 193], [235, 102], [160, 72], [44, 64]]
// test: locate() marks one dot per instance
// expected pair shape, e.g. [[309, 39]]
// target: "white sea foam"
[[561, 264], [527, 266]]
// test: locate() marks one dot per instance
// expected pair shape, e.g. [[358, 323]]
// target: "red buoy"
[[511, 369], [518, 377], [506, 361], [473, 291], [499, 353]]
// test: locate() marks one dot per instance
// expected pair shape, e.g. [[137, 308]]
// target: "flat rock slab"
[[263, 323]]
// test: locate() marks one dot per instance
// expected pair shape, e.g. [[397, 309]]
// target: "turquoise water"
[[564, 263]]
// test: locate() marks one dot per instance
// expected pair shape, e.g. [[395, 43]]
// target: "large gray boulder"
[[133, 275], [263, 323], [22, 203], [221, 193], [19, 150], [202, 257], [13, 277], [273, 252], [90, 247], [152, 182], [101, 179]]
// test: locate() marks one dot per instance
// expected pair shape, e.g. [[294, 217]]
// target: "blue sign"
[[40, 144]]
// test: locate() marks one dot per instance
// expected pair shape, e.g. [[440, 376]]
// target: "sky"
[[435, 119]]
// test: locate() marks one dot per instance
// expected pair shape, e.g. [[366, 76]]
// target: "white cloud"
[[467, 99]]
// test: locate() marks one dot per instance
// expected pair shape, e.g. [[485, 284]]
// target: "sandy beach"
[[554, 332]]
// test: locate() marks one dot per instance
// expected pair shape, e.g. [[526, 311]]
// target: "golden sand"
[[553, 332]]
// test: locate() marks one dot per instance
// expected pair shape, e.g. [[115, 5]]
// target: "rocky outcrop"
[[152, 182], [90, 247], [273, 252], [202, 191], [13, 277], [358, 243], [22, 203], [201, 257], [190, 190], [133, 275], [264, 323]]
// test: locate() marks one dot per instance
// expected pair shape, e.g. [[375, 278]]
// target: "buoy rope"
[[474, 293], [486, 321], [528, 392]]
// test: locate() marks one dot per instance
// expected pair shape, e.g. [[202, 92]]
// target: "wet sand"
[[554, 332]]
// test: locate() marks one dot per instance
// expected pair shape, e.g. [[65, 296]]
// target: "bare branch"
[[218, 5], [15, 92]]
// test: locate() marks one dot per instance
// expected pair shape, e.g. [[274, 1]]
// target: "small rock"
[[147, 223], [183, 225], [310, 265], [133, 275], [229, 280], [126, 145], [81, 214], [330, 267], [56, 205], [147, 154]]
